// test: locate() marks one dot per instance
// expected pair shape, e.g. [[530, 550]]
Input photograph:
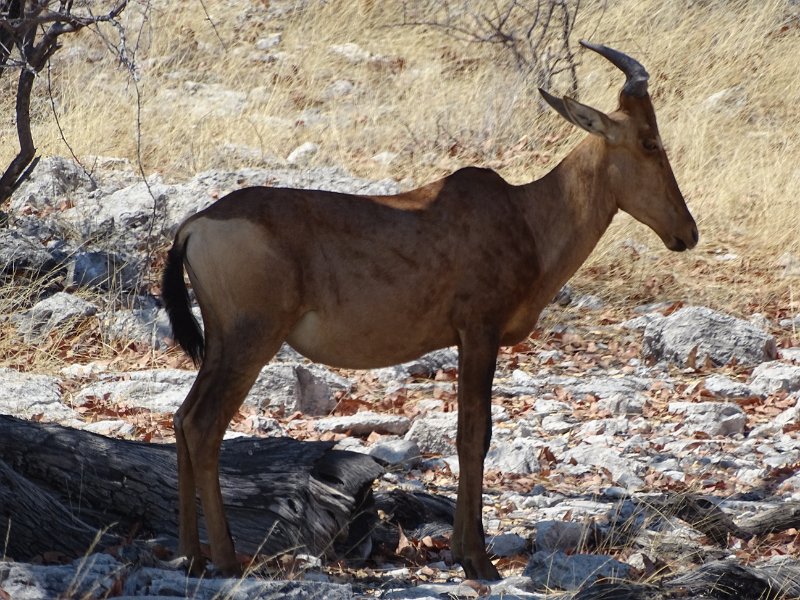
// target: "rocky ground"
[[603, 420]]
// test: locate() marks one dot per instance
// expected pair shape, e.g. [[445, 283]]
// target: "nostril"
[[695, 235]]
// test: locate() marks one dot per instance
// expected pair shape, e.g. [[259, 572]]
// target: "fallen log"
[[60, 486], [780, 518], [26, 517], [702, 514], [717, 580], [705, 516]]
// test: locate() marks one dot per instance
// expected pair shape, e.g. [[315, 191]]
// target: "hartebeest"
[[370, 281]]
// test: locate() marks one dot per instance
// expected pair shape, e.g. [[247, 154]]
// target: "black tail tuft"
[[185, 328]]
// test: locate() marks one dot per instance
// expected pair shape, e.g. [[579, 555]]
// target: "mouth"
[[676, 244]]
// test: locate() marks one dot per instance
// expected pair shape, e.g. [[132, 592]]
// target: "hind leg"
[[188, 535], [229, 369]]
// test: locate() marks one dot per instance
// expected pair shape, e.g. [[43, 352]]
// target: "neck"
[[568, 210]]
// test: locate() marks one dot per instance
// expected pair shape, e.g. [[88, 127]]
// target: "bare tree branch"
[[29, 36], [536, 34]]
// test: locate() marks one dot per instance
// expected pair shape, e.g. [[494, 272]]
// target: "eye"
[[650, 144]]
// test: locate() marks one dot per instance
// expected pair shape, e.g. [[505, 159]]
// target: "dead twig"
[[536, 34]]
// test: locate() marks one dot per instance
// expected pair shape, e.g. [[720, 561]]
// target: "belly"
[[364, 342]]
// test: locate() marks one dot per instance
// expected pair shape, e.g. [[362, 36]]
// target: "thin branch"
[[213, 26], [63, 18], [60, 129], [534, 33]]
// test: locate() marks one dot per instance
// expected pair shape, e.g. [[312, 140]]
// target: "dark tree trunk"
[[60, 486]]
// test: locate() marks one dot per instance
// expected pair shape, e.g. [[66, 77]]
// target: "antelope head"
[[639, 174]]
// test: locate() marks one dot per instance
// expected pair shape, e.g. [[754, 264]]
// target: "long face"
[[642, 177], [639, 174]]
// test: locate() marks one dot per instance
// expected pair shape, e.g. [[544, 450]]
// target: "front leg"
[[477, 358]]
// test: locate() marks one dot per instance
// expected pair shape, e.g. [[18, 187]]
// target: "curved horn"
[[635, 73]]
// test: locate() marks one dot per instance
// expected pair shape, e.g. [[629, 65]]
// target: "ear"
[[587, 118], [557, 104]]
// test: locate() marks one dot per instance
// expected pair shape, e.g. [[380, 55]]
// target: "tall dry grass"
[[723, 79]]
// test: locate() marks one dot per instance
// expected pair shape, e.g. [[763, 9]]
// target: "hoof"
[[481, 568]]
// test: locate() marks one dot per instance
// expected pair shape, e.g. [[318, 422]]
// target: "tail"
[[185, 327]]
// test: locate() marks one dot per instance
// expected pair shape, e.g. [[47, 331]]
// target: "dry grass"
[[440, 103]]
